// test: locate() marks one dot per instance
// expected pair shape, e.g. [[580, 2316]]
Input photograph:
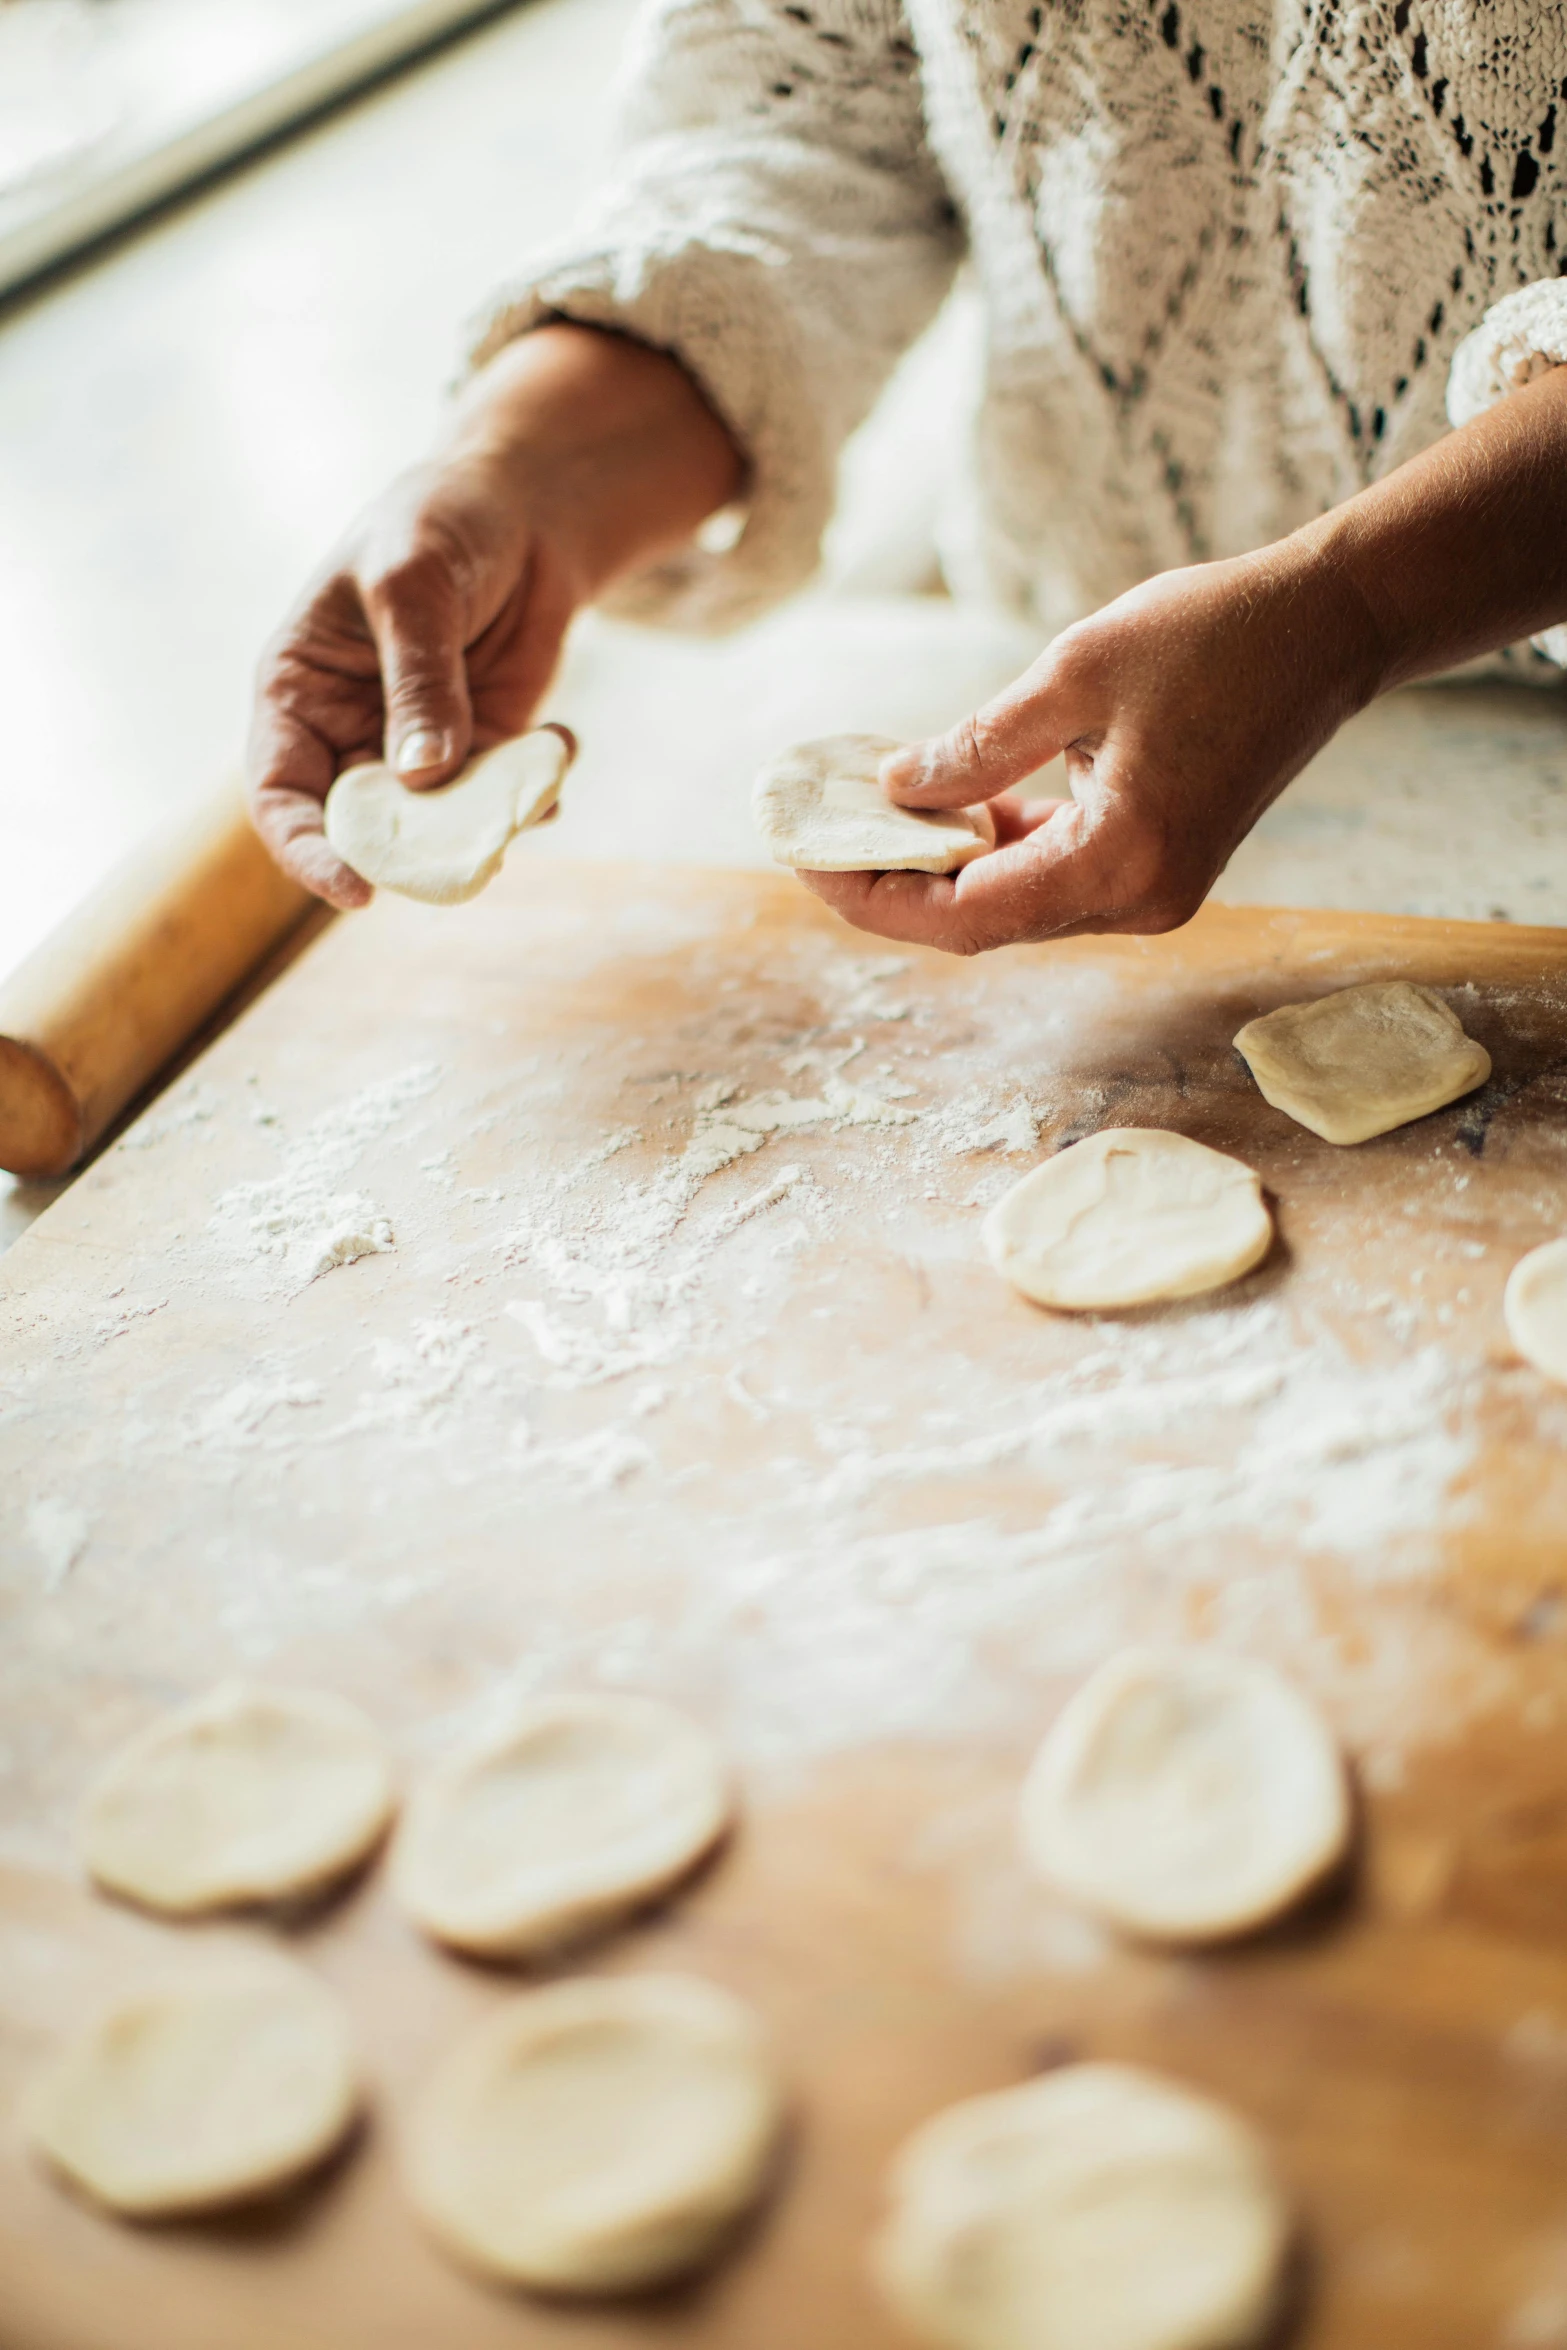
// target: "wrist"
[[1345, 626], [598, 441], [1459, 550]]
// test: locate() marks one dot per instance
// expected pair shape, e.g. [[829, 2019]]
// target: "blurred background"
[[239, 240]]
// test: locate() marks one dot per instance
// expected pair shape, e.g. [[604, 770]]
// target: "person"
[[1275, 414]]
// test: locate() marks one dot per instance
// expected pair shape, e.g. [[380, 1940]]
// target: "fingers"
[[917, 909], [290, 771], [293, 834], [290, 768], [1015, 818], [510, 666], [1072, 871], [943, 910], [417, 615], [1021, 730]]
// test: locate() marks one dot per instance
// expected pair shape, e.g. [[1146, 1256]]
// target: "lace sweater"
[[1235, 260]]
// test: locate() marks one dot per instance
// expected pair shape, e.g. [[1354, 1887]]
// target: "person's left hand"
[[1183, 709]]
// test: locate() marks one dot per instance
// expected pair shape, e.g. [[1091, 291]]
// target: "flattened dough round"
[[1126, 1218], [1186, 1796], [1536, 1308], [443, 846], [599, 2136], [1100, 2208], [1364, 1060], [200, 2091], [250, 1794], [580, 1810], [820, 809]]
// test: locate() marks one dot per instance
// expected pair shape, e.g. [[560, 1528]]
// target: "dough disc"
[[200, 2091], [1126, 1218], [1362, 1061], [581, 1809], [820, 809], [249, 1795], [599, 2136], [1536, 1308], [1186, 1796], [444, 845], [1101, 2208]]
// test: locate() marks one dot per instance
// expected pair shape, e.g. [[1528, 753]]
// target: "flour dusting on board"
[[298, 1224], [845, 1636], [688, 1351]]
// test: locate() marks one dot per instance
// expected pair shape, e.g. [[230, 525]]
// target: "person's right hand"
[[436, 626]]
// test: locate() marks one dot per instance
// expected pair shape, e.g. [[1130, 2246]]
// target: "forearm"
[[604, 446], [1462, 550]]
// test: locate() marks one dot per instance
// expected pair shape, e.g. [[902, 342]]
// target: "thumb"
[[416, 619], [999, 746]]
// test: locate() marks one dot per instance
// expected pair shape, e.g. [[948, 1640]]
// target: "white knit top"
[[1235, 261]]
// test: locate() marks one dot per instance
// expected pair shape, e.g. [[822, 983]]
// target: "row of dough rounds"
[[579, 1809], [609, 2133], [591, 2137]]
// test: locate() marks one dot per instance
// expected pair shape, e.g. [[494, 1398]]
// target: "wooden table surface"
[[620, 1402]]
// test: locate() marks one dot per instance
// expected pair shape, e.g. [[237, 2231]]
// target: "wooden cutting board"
[[675, 1364]]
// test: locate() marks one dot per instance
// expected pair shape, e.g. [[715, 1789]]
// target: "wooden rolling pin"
[[112, 995]]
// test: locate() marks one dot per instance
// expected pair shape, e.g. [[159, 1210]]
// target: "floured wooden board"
[[675, 1365]]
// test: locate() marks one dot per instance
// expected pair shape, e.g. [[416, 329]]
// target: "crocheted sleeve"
[[774, 220], [1520, 337]]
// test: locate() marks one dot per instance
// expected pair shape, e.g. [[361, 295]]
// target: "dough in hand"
[[579, 1811], [200, 2091], [1128, 1217], [444, 845], [599, 2136], [1100, 2208], [250, 1794], [1186, 1796], [1364, 1060], [820, 809], [1536, 1308]]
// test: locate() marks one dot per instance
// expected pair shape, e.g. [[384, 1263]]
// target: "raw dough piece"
[[1186, 1796], [598, 2136], [1536, 1308], [1130, 1216], [820, 809], [444, 845], [250, 1794], [583, 1808], [200, 2091], [1101, 2208], [1362, 1061]]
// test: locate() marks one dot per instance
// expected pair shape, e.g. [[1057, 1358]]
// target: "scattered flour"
[[854, 988], [1178, 1443], [237, 1418], [189, 1106], [589, 1464], [1055, 1514], [731, 1131], [642, 1300], [300, 1223], [125, 1318], [900, 1556], [424, 1380], [975, 1123]]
